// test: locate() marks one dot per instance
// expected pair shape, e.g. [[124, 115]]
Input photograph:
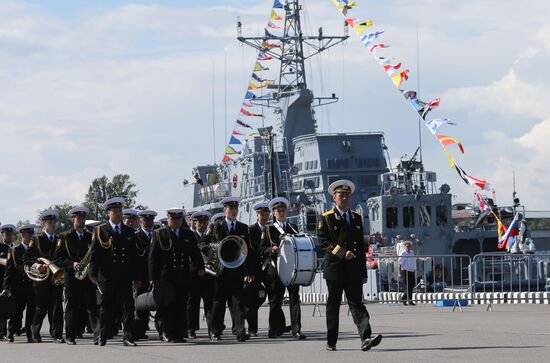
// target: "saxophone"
[[84, 266]]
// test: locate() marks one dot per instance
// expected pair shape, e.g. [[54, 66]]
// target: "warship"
[[291, 158]]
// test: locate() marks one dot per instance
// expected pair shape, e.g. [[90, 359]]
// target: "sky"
[[111, 86]]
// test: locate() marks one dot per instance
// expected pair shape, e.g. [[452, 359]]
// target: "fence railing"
[[485, 278]]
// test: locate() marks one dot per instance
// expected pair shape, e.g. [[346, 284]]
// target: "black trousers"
[[173, 318], [275, 293], [48, 301], [141, 324], [354, 295], [200, 288], [80, 295], [24, 302], [117, 296], [228, 288], [409, 280]]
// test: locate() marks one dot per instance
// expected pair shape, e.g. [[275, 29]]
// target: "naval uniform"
[[112, 265], [275, 288], [18, 284], [80, 295], [229, 283], [4, 251], [338, 234], [200, 287], [169, 256], [142, 265], [48, 297], [251, 301]]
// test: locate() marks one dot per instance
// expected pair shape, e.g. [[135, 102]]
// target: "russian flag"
[[509, 238]]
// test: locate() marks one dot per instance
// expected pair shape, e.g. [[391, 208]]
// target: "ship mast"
[[292, 77]]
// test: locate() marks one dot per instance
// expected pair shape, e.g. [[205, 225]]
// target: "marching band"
[[111, 276]]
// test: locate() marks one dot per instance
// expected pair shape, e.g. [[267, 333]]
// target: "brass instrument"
[[57, 274], [3, 261], [230, 253], [84, 266]]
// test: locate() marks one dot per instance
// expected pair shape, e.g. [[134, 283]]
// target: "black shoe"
[[102, 343], [405, 303], [299, 336], [331, 348], [215, 338], [144, 337], [411, 303], [243, 338], [287, 329], [371, 342], [71, 342], [253, 333], [58, 340], [192, 334], [30, 340], [37, 339], [166, 339], [180, 340], [96, 341], [10, 339], [79, 336], [128, 343]]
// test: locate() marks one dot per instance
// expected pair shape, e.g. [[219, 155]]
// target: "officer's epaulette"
[[328, 213]]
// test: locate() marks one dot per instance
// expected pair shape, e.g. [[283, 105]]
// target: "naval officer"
[[340, 233]]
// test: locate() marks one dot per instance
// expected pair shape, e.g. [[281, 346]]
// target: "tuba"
[[3, 261], [230, 253], [57, 274], [84, 266]]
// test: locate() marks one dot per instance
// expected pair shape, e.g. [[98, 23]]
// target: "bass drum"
[[297, 260]]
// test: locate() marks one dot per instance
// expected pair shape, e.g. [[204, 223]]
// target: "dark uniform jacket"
[[256, 236], [272, 237], [70, 249], [336, 237], [40, 246], [169, 255], [142, 259], [220, 231], [4, 250], [15, 277], [113, 255]]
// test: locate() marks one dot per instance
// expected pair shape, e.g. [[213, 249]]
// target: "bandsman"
[[144, 237], [171, 248], [20, 287], [49, 296], [112, 268], [200, 287], [73, 254], [130, 218], [229, 283], [275, 288], [6, 231], [340, 233]]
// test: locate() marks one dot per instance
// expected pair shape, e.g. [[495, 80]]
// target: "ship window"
[[375, 212], [332, 179], [391, 217], [425, 215], [296, 184], [408, 217], [311, 183], [368, 163], [368, 180], [337, 163], [441, 214], [311, 220]]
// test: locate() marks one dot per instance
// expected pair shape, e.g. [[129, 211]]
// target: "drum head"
[[286, 261]]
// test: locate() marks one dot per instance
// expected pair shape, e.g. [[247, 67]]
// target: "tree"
[[101, 189], [65, 221]]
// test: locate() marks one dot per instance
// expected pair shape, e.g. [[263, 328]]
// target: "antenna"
[[418, 92], [213, 113]]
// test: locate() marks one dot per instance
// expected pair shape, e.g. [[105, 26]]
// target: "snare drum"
[[297, 260]]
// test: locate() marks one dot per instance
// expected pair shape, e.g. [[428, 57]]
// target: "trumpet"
[[230, 253], [84, 265], [57, 274], [3, 261]]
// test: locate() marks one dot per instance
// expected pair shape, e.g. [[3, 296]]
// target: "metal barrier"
[[511, 278], [484, 279]]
